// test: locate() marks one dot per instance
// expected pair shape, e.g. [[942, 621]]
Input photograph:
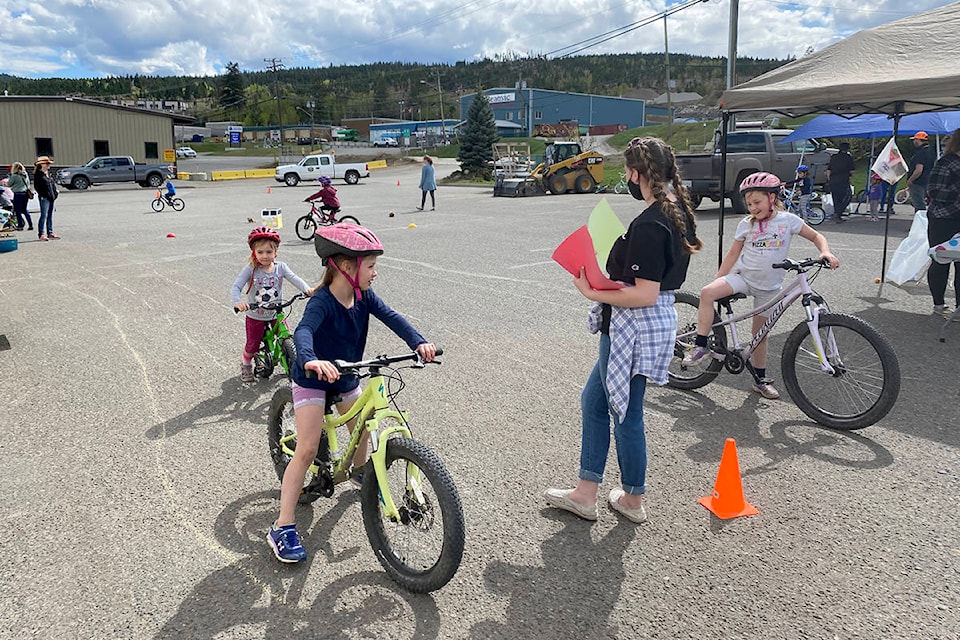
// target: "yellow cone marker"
[[411, 226]]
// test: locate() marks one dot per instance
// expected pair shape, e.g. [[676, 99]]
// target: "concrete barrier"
[[377, 164], [260, 173], [227, 175]]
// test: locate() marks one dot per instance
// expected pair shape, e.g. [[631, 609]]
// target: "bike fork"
[[813, 326]]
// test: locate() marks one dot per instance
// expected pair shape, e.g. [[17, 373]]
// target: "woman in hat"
[[47, 193]]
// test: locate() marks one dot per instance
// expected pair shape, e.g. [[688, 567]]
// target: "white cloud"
[[111, 37]]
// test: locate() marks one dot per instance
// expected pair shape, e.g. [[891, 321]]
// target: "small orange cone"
[[727, 500], [398, 183], [268, 190], [158, 193], [170, 235]]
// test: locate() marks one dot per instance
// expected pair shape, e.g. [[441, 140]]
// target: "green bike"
[[277, 346], [411, 509]]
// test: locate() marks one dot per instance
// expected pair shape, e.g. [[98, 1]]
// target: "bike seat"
[[332, 399], [726, 300]]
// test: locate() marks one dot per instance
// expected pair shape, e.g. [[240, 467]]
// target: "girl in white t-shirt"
[[761, 240]]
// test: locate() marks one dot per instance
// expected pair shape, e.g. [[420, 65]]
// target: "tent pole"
[[723, 181], [886, 221]]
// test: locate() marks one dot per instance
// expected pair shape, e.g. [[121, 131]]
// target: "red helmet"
[[761, 181], [347, 239], [263, 233]]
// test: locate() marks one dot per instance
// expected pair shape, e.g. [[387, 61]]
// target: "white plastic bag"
[[890, 165], [826, 201], [910, 261]]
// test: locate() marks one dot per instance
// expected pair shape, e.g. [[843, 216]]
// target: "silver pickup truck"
[[104, 169], [749, 151]]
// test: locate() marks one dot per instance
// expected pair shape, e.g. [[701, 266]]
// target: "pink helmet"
[[347, 239], [761, 181], [263, 233]]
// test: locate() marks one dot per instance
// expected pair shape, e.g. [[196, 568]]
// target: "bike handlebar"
[[793, 265], [274, 306], [374, 363]]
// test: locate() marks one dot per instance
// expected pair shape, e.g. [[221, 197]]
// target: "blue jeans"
[[629, 435], [917, 196], [45, 225]]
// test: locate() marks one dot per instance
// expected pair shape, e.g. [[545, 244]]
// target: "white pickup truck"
[[322, 164]]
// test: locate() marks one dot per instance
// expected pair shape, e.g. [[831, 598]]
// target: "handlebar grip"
[[439, 351]]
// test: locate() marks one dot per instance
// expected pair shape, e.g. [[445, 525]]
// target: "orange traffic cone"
[[268, 190], [158, 193], [398, 183], [727, 500]]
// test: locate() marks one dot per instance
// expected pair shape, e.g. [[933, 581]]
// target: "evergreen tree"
[[231, 88], [476, 141]]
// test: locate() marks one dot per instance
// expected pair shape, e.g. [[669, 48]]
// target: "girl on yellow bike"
[[334, 327]]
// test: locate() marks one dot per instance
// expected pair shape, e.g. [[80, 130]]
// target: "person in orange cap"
[[918, 171]]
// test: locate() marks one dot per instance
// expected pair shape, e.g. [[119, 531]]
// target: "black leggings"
[[423, 199], [841, 197], [940, 230]]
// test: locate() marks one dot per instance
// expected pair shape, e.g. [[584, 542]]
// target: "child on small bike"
[[327, 195], [334, 326], [171, 191], [263, 276], [761, 240]]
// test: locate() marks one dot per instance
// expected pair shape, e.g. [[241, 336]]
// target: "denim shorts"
[[760, 296]]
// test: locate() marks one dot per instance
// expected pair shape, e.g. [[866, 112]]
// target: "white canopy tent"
[[907, 66]]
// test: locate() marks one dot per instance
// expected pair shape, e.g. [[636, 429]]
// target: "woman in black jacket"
[[47, 193]]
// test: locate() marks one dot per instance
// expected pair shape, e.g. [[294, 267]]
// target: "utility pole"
[[732, 53], [666, 57], [275, 65], [443, 127]]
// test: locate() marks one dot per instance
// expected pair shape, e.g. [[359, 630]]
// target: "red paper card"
[[577, 251]]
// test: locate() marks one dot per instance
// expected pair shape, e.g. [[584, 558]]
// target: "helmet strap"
[[355, 282]]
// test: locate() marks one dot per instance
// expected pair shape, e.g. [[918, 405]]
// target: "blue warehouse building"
[[519, 111]]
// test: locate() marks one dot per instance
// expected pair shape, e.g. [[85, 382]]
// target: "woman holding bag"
[[19, 182], [943, 220]]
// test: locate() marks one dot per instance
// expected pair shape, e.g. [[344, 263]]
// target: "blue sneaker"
[[286, 543]]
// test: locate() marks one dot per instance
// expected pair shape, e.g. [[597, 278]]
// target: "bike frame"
[[323, 217], [274, 336], [369, 410], [799, 288]]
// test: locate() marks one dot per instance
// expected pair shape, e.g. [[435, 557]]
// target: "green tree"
[[231, 88], [476, 141]]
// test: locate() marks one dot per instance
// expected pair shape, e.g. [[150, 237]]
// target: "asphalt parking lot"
[[138, 486]]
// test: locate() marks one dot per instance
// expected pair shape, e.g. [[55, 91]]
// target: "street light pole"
[[666, 56]]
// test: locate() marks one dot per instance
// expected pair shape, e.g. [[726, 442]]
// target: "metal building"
[[534, 108], [73, 130]]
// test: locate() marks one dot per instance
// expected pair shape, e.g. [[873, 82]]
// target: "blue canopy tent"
[[874, 125]]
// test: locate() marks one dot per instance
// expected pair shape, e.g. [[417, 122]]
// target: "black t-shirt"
[[651, 249], [841, 166], [924, 156]]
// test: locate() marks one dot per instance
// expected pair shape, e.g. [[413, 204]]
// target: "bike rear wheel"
[[157, 204], [815, 215], [701, 374], [422, 550], [263, 363], [306, 227], [867, 379], [350, 219], [289, 350], [177, 204]]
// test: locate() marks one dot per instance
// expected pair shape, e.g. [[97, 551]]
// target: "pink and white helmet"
[[761, 181], [345, 238]]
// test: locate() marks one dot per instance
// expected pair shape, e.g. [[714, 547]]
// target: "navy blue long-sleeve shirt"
[[330, 331]]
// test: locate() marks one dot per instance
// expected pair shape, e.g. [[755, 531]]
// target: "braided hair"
[[654, 159]]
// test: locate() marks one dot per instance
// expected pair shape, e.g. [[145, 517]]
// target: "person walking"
[[637, 326], [839, 170], [918, 171], [428, 183], [19, 182], [47, 192], [943, 220]]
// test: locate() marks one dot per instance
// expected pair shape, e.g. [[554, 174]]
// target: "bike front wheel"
[[866, 379], [422, 549], [306, 227], [177, 204], [698, 375], [157, 204], [621, 187], [815, 215]]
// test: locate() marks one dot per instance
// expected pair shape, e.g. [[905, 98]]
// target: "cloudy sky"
[[93, 38]]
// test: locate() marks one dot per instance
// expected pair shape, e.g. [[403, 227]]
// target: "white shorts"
[[760, 296]]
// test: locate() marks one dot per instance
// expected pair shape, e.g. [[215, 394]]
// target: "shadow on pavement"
[[572, 595], [256, 596], [235, 398]]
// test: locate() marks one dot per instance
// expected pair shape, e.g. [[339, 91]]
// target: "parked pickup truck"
[[323, 164], [104, 169], [749, 151]]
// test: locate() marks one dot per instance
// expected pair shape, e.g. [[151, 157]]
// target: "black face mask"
[[634, 189]]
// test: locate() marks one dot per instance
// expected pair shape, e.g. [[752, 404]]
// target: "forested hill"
[[390, 89]]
